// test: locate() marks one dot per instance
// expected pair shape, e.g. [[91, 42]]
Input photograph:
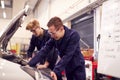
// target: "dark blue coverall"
[[39, 42], [72, 61]]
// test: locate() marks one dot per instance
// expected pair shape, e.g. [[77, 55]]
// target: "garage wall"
[[61, 8], [42, 12], [3, 23]]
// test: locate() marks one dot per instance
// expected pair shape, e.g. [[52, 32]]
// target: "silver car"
[[11, 66]]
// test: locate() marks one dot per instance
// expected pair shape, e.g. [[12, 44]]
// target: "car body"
[[12, 71]]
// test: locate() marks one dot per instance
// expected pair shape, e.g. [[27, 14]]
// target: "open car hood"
[[12, 27], [12, 66]]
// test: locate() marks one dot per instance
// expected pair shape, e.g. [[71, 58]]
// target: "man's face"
[[36, 31], [55, 33]]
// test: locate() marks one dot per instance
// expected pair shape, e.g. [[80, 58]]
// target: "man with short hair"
[[39, 38], [67, 42]]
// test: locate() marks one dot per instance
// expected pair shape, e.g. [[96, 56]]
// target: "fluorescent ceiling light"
[[2, 4], [4, 14]]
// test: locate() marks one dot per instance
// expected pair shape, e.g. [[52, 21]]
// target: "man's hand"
[[29, 59], [53, 75], [41, 66], [27, 66]]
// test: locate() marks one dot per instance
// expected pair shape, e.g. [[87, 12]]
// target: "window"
[[84, 25]]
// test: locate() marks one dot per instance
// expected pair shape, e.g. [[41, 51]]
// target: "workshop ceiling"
[[6, 7]]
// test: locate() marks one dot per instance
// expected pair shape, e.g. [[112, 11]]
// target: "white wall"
[[3, 23], [21, 32], [61, 8], [66, 8], [42, 13]]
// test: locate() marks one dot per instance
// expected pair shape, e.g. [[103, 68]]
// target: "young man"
[[67, 42], [38, 40]]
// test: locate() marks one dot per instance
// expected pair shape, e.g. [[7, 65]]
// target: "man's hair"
[[55, 21], [34, 23]]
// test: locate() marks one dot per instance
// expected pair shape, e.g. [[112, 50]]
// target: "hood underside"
[[11, 28]]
